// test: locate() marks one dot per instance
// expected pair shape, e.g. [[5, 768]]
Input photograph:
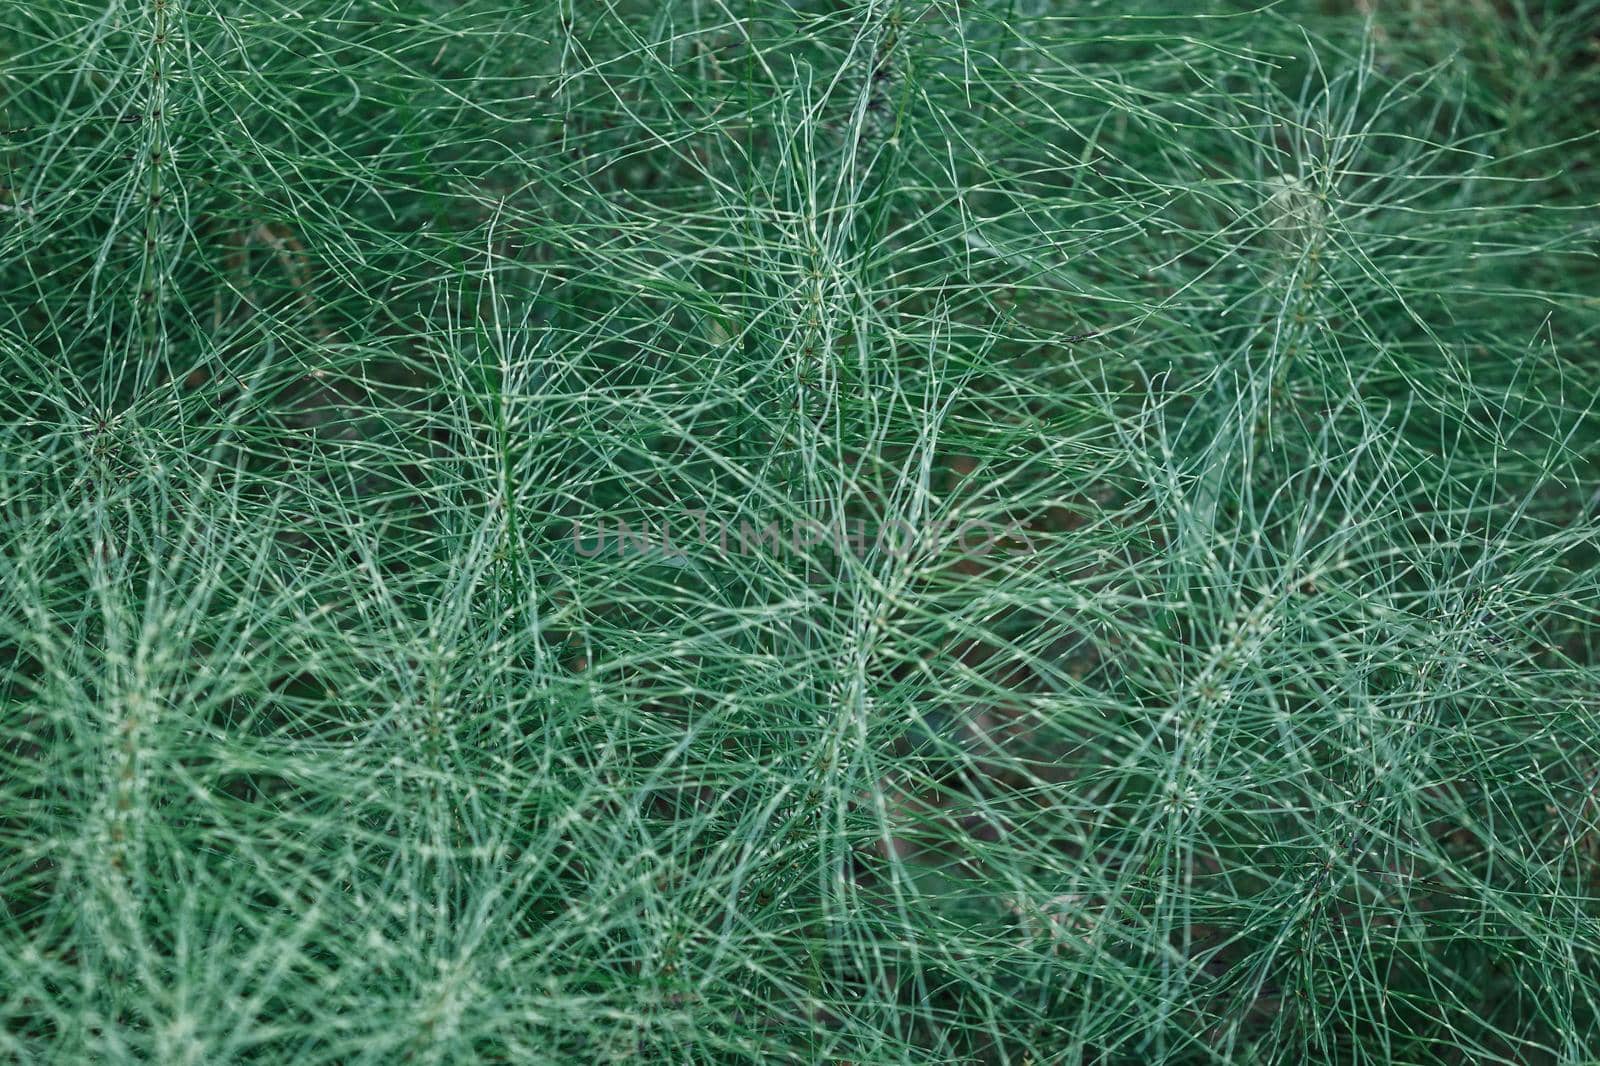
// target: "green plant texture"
[[1266, 730]]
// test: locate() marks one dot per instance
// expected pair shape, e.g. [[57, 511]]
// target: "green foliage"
[[1268, 733]]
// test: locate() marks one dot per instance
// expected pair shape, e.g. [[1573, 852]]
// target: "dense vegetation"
[[336, 338]]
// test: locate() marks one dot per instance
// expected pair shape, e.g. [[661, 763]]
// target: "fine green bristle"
[[817, 531]]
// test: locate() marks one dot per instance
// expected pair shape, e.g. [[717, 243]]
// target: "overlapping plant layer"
[[1261, 726]]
